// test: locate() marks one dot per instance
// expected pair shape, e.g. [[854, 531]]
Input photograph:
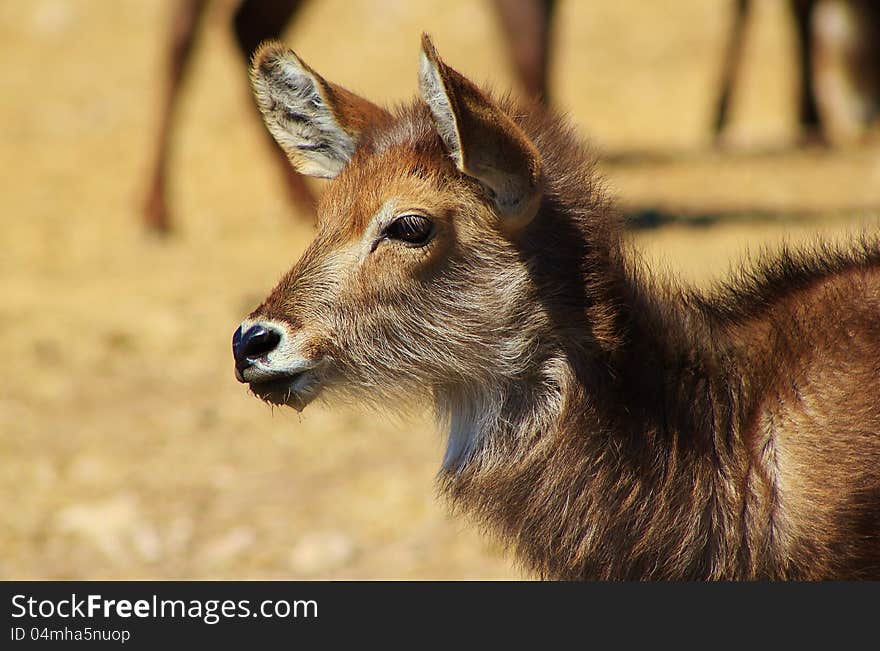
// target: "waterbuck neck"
[[618, 454]]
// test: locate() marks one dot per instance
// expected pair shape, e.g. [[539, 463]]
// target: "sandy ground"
[[127, 449]]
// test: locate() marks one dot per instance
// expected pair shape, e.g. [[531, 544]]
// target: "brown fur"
[[640, 430]]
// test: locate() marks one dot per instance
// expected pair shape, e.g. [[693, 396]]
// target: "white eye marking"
[[372, 234]]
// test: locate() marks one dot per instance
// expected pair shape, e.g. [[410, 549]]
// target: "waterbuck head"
[[416, 284]]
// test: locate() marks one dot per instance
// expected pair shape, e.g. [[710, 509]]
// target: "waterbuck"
[[604, 423]]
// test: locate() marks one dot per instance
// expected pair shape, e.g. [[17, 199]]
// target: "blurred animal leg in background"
[[845, 35], [732, 65], [731, 68], [184, 25], [808, 114], [527, 28], [254, 22], [838, 62]]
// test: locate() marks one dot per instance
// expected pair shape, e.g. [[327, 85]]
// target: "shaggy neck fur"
[[622, 435], [608, 462]]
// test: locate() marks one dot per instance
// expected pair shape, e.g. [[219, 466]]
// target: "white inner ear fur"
[[299, 119], [434, 94], [516, 203]]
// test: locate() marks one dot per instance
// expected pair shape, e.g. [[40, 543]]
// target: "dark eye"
[[413, 229]]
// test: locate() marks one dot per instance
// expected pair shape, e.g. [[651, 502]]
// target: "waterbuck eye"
[[413, 229]]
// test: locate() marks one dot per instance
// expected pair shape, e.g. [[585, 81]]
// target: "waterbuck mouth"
[[290, 389]]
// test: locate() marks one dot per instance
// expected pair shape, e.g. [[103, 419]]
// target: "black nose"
[[253, 343]]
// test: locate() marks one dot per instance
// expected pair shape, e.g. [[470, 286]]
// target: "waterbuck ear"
[[317, 123], [482, 139]]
